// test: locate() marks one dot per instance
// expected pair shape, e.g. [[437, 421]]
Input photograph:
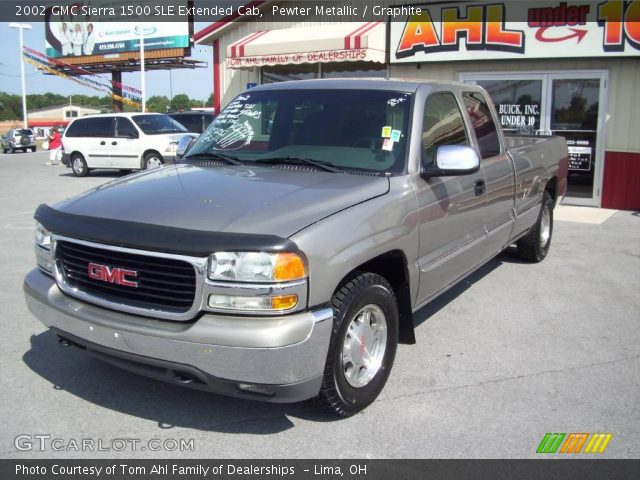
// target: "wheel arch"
[[392, 265], [147, 152]]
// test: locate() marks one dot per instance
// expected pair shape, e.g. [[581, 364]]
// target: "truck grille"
[[160, 283]]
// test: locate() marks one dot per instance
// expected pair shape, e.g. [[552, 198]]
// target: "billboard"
[[83, 29], [75, 38], [516, 30]]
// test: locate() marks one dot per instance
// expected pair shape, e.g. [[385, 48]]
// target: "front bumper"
[[66, 159], [278, 359]]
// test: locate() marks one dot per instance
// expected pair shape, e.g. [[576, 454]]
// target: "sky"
[[198, 83]]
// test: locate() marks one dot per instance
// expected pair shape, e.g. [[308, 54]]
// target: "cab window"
[[483, 124], [442, 125]]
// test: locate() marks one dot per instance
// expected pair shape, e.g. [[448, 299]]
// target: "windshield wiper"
[[326, 166], [215, 156]]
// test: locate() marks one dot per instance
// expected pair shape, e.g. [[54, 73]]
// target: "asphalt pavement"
[[513, 352]]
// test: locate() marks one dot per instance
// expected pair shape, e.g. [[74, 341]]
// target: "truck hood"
[[258, 200]]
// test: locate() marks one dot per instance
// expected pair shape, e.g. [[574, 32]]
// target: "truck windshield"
[[158, 124], [340, 129]]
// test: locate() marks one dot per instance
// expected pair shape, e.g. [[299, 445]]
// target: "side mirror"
[[452, 160], [184, 145]]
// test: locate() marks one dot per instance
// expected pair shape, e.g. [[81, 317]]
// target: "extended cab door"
[[498, 171], [451, 209], [124, 147]]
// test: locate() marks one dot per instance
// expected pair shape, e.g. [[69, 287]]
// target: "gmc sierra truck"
[[283, 257]]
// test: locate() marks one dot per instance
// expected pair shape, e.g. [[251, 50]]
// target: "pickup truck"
[[283, 257]]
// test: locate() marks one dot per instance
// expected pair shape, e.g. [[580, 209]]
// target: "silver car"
[[19, 139]]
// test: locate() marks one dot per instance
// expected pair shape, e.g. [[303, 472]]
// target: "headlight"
[[43, 237], [173, 146], [257, 267]]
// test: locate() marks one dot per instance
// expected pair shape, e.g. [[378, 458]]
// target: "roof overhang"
[[342, 42]]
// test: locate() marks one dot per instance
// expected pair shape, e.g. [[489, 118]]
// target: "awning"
[[343, 42]]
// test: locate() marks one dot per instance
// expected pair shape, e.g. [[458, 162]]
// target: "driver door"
[[451, 209]]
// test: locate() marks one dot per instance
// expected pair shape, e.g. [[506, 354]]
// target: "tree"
[[180, 102], [209, 102], [158, 104], [10, 106]]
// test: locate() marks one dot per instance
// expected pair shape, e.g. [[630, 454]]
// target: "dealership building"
[[563, 69]]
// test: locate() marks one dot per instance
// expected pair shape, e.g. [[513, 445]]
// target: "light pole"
[[142, 83], [21, 27]]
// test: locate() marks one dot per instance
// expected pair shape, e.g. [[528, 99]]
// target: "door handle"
[[114, 143], [103, 143], [480, 188]]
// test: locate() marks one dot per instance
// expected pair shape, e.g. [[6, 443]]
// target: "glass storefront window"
[[575, 104], [283, 73], [517, 103], [354, 70]]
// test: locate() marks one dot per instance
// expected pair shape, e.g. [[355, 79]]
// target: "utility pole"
[[142, 83], [21, 27]]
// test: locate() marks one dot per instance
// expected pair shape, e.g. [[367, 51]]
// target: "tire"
[[354, 377], [33, 149], [152, 160], [24, 150], [534, 246], [79, 165]]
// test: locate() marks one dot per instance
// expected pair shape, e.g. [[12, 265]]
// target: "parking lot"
[[513, 352]]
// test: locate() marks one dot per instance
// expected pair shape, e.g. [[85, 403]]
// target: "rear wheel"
[[79, 165], [534, 246], [33, 149], [363, 344]]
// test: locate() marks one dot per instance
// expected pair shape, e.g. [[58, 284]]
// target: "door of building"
[[570, 104]]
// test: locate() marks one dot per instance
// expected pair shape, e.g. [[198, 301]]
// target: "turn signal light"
[[284, 302], [288, 266]]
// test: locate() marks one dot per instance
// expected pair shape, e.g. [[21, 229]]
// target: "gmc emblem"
[[115, 275]]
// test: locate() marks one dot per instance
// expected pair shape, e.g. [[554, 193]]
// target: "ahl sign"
[[508, 30]]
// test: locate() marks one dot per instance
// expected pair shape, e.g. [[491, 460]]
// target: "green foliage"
[[158, 104], [11, 105], [180, 102]]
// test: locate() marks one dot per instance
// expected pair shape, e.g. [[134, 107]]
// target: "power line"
[[18, 76]]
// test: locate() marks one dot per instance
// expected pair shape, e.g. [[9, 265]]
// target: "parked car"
[[194, 121], [126, 141], [285, 258], [19, 139]]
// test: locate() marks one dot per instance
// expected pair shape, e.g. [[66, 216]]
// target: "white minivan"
[[126, 141]]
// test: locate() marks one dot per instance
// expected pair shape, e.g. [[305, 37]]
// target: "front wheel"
[[363, 343], [534, 246], [152, 160], [79, 165]]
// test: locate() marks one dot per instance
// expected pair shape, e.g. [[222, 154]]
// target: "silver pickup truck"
[[284, 257]]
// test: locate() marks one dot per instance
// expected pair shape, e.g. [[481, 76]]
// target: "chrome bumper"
[[287, 352]]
